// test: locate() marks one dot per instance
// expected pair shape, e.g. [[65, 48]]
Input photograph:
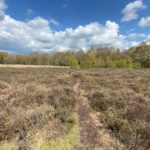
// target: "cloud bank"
[[37, 35]]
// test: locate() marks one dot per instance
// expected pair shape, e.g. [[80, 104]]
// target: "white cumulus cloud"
[[131, 9], [144, 22], [37, 35], [3, 7]]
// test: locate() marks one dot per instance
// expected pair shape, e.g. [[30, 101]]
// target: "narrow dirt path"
[[89, 134]]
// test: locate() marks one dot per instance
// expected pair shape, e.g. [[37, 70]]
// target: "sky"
[[28, 26]]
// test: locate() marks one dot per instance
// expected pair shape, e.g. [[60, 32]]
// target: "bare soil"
[[89, 134]]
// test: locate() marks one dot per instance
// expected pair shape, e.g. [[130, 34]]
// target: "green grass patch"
[[63, 143], [8, 146]]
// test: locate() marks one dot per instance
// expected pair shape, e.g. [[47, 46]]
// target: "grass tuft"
[[9, 146], [63, 143]]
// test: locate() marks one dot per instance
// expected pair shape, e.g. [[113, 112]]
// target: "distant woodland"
[[135, 57]]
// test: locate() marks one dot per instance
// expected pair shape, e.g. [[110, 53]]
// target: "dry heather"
[[122, 98], [38, 108], [34, 100]]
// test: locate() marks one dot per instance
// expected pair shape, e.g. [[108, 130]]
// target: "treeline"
[[135, 57]]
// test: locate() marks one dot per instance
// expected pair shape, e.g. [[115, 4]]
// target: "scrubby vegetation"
[[35, 100], [38, 107], [135, 57], [123, 100]]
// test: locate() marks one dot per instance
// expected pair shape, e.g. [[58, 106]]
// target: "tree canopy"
[[135, 57]]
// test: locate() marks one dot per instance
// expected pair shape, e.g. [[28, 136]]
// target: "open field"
[[70, 109], [30, 66]]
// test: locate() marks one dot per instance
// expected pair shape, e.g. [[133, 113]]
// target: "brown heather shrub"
[[3, 86], [124, 104], [33, 100], [42, 100]]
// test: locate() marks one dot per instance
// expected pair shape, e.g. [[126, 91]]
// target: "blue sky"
[[58, 25]]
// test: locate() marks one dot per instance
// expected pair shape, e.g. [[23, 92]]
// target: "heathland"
[[74, 109]]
